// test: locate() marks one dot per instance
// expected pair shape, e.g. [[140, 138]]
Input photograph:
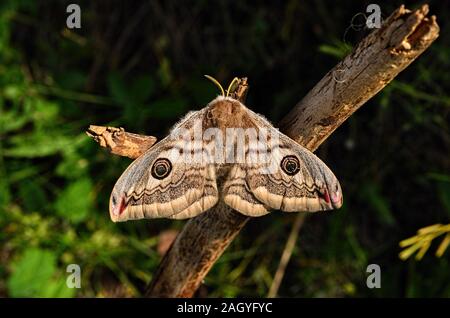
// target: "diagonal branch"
[[371, 66]]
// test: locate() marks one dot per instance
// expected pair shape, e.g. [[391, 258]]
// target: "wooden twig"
[[371, 66], [375, 61], [286, 256], [120, 142]]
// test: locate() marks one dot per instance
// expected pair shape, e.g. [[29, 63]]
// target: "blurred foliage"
[[139, 65]]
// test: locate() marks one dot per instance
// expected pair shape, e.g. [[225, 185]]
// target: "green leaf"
[[32, 195], [57, 288], [44, 112], [72, 166], [13, 91], [5, 194], [75, 201], [12, 120], [37, 144], [31, 273], [22, 172]]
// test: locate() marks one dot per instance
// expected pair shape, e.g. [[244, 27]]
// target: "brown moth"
[[225, 152]]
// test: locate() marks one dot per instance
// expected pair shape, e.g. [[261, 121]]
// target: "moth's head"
[[225, 106]]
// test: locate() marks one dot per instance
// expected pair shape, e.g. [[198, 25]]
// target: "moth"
[[225, 152]]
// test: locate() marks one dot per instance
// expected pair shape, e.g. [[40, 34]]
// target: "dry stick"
[[120, 142], [286, 256], [375, 61], [371, 66]]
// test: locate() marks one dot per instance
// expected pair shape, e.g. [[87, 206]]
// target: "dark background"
[[140, 65]]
